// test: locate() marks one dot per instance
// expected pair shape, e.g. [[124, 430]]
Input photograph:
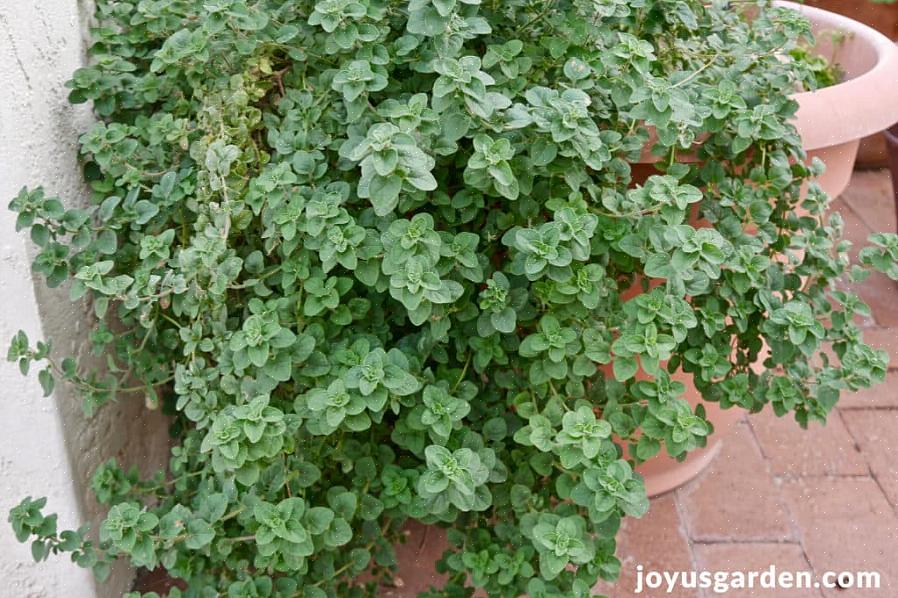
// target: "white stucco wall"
[[47, 447]]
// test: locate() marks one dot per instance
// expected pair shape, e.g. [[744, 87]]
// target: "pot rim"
[[860, 106]]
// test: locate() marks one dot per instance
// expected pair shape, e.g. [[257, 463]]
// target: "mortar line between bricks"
[[807, 560], [870, 408], [872, 473], [687, 533], [754, 436], [879, 485], [799, 537], [728, 541], [857, 447], [776, 481], [821, 476]]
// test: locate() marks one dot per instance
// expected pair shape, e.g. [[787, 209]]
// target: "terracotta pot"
[[883, 18], [833, 120], [891, 138], [663, 473]]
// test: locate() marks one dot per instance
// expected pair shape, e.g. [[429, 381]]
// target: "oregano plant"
[[447, 261]]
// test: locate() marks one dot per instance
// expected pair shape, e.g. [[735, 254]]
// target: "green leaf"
[[360, 558], [344, 504], [339, 533], [400, 382], [145, 211], [550, 565], [543, 153], [307, 474], [47, 381], [373, 254], [384, 193], [200, 533], [624, 368], [647, 448], [370, 508], [318, 519]]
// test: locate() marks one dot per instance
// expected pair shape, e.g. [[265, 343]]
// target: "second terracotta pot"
[[884, 18], [833, 120]]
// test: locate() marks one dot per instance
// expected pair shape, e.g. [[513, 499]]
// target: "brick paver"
[[819, 450], [755, 556], [846, 525], [876, 432], [882, 396], [735, 498]]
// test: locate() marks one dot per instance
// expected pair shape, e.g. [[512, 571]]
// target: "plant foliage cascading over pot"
[[372, 256]]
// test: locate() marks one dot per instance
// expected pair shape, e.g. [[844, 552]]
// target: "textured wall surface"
[[47, 447]]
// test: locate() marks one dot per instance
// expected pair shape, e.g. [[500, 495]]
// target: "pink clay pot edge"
[[866, 102], [832, 120]]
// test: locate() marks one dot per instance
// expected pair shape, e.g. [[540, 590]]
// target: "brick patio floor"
[[825, 499]]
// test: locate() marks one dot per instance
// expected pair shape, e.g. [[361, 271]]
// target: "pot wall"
[[883, 18], [833, 120], [49, 448], [840, 160]]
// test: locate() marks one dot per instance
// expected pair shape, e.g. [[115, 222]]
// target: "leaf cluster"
[[392, 260]]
